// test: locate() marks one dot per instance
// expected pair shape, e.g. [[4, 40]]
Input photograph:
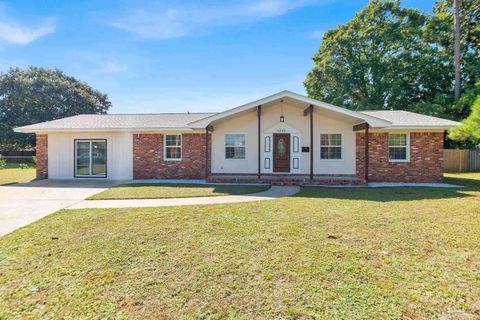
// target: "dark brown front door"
[[281, 152]]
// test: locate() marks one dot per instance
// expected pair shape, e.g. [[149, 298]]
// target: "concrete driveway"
[[24, 203]]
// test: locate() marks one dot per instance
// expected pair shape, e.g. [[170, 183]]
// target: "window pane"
[[324, 140], [397, 153], [335, 152], [331, 139], [336, 139], [235, 140], [99, 163], [235, 152], [331, 152], [174, 153], [83, 158], [397, 140], [173, 140]]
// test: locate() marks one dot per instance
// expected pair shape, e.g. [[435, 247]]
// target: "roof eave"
[[372, 120], [417, 127], [39, 130]]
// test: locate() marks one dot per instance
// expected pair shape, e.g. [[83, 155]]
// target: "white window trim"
[[320, 148], [165, 147], [407, 146], [225, 146]]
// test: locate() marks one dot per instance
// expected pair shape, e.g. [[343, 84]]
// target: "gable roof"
[[372, 120], [408, 120], [189, 121], [118, 122]]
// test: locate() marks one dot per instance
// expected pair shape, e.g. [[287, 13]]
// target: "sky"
[[174, 56]]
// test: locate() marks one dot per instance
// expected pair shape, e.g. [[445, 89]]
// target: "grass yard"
[[14, 174], [327, 253], [155, 191], [469, 179]]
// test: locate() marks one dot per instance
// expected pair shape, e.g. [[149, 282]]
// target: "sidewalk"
[[274, 192]]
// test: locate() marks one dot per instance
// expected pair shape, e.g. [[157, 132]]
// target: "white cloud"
[[165, 24], [271, 8], [112, 67], [162, 22], [12, 32], [317, 35]]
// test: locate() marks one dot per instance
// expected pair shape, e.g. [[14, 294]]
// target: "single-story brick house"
[[284, 138]]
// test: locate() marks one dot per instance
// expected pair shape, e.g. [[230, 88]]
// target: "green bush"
[[3, 162], [24, 165]]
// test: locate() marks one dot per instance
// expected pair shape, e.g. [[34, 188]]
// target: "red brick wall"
[[42, 156], [426, 158], [148, 162]]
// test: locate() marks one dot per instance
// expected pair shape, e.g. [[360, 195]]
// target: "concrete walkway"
[[24, 203], [274, 192]]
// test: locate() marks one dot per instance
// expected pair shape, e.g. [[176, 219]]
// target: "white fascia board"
[[33, 130], [418, 127], [373, 121]]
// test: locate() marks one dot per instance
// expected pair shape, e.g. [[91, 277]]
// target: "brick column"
[[360, 155], [42, 156]]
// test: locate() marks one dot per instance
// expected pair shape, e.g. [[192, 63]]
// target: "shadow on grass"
[[171, 190], [471, 183], [217, 188], [396, 193], [383, 194]]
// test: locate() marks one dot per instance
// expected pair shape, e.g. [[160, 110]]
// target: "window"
[[398, 147], [173, 147], [234, 146], [91, 158], [267, 144], [296, 144], [331, 146]]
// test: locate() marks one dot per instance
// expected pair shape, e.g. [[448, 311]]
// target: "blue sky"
[[174, 56]]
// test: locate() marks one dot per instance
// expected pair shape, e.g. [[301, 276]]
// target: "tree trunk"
[[458, 66]]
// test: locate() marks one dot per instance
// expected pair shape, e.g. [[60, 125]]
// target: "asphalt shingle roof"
[[410, 119], [120, 121], [166, 121]]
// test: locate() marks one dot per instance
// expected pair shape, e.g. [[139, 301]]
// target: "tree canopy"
[[390, 57], [37, 95], [470, 128]]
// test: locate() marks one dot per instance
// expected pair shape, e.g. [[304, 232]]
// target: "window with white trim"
[[331, 146], [235, 146], [398, 147], [173, 147]]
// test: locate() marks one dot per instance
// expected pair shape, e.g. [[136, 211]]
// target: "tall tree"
[[379, 60], [470, 128], [37, 95], [458, 52], [439, 34]]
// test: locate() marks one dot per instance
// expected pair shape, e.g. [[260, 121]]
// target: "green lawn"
[[154, 191], [471, 179], [327, 253], [14, 174]]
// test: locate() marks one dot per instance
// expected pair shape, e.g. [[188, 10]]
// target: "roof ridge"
[[142, 114], [385, 111]]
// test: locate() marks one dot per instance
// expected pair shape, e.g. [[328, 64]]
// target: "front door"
[[281, 152]]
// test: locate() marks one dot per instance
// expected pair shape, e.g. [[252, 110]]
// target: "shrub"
[[24, 165], [3, 162]]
